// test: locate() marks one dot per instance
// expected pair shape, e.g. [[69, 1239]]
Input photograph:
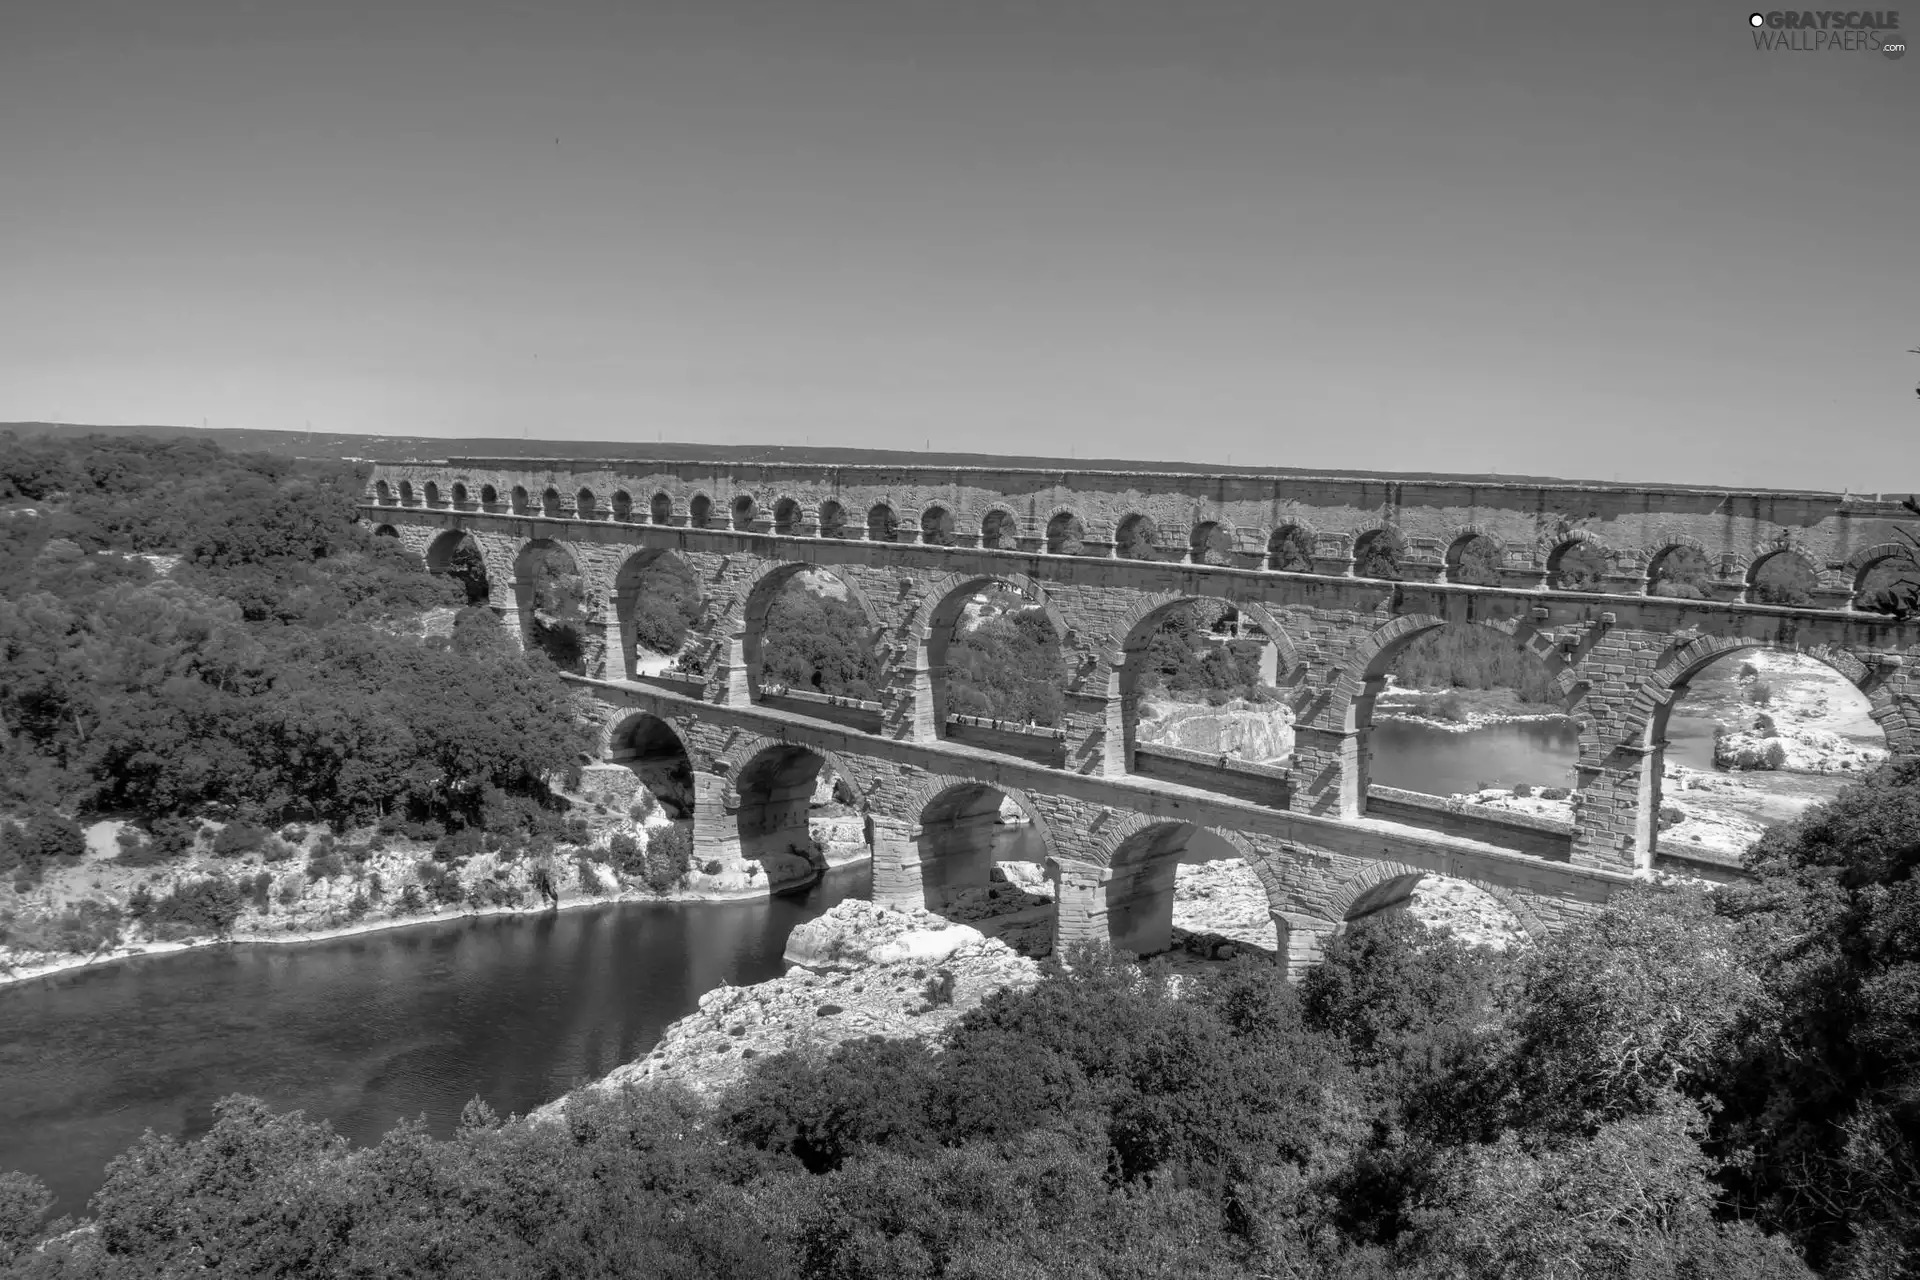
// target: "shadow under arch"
[[658, 599], [960, 825], [457, 554], [1380, 886], [1646, 718], [769, 791], [652, 748]]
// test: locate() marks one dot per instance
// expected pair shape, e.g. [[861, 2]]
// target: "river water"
[[365, 1030], [372, 1029]]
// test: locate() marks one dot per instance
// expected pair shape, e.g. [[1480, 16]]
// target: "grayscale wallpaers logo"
[[1822, 31]]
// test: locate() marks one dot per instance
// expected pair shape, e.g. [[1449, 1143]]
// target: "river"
[[365, 1030]]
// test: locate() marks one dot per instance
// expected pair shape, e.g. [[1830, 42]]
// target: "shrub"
[[1670, 817], [669, 857], [173, 836], [1449, 706], [376, 887], [357, 906], [321, 866], [576, 833], [411, 899], [289, 893], [258, 890], [1764, 724], [237, 839], [626, 855], [276, 850], [491, 893], [1776, 755], [455, 849], [82, 929], [711, 866], [1760, 694], [195, 908], [1522, 790], [1748, 671], [439, 884], [589, 872], [1555, 793], [43, 840], [295, 834]]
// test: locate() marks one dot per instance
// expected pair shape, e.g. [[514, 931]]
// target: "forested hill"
[[185, 631]]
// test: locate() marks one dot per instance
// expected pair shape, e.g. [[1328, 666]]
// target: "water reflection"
[[367, 1030]]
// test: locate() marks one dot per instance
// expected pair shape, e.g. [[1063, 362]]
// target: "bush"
[[82, 929], [196, 908], [173, 836], [1522, 790], [258, 890], [323, 866], [237, 839], [439, 884], [669, 857], [411, 898], [276, 850], [44, 840], [626, 855], [576, 832], [1763, 724], [456, 848], [711, 866], [295, 834], [1555, 793], [1760, 694], [1449, 706]]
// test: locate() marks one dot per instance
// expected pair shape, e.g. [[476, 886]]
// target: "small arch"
[[999, 530], [660, 509], [882, 524], [653, 750], [551, 595], [936, 527], [1290, 549], [1379, 553], [623, 506], [1680, 571], [786, 517], [1210, 542], [585, 505], [1382, 886], [833, 520], [550, 503], [406, 493], [382, 494], [1783, 577], [489, 497], [1474, 559], [521, 502], [1137, 538], [459, 494], [1885, 578], [432, 491], [385, 531], [700, 511], [1066, 534], [746, 510], [1579, 564]]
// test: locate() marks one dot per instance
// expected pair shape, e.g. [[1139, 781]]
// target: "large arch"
[[658, 599], [456, 553], [550, 593], [652, 748], [750, 622], [935, 637], [1377, 886], [1142, 867], [769, 791], [960, 825]]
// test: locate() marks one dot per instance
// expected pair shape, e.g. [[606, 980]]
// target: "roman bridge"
[[1575, 573]]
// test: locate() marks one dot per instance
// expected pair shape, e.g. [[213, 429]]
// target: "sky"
[[1607, 241]]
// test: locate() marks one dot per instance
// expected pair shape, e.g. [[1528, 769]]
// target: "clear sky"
[[1587, 240]]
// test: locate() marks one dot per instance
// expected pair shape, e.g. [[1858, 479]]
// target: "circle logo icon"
[[1756, 19], [1894, 49]]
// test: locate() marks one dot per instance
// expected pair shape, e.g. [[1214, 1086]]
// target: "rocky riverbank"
[[1257, 732]]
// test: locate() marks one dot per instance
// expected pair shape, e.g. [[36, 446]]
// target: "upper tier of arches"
[[1709, 557]]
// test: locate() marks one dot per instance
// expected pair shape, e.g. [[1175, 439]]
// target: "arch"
[[1374, 886], [382, 494], [385, 531], [1379, 553], [622, 506], [652, 748], [406, 493], [1290, 549], [956, 832], [1879, 568], [660, 508], [1682, 569], [489, 496], [459, 494], [746, 511], [1361, 676], [1579, 563], [432, 492], [1474, 558], [699, 511], [585, 505], [658, 600], [1066, 534], [1211, 542], [936, 526], [1785, 577], [786, 517], [731, 763], [771, 793], [748, 618], [882, 524], [457, 554], [1142, 867], [521, 502], [833, 520], [1137, 537], [550, 592], [1000, 530]]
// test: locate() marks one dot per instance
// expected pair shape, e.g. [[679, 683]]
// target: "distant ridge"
[[335, 445]]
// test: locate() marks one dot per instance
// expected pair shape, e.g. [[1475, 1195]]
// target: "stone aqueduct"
[[911, 544]]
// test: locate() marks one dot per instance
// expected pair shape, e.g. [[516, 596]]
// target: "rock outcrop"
[[1259, 733]]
